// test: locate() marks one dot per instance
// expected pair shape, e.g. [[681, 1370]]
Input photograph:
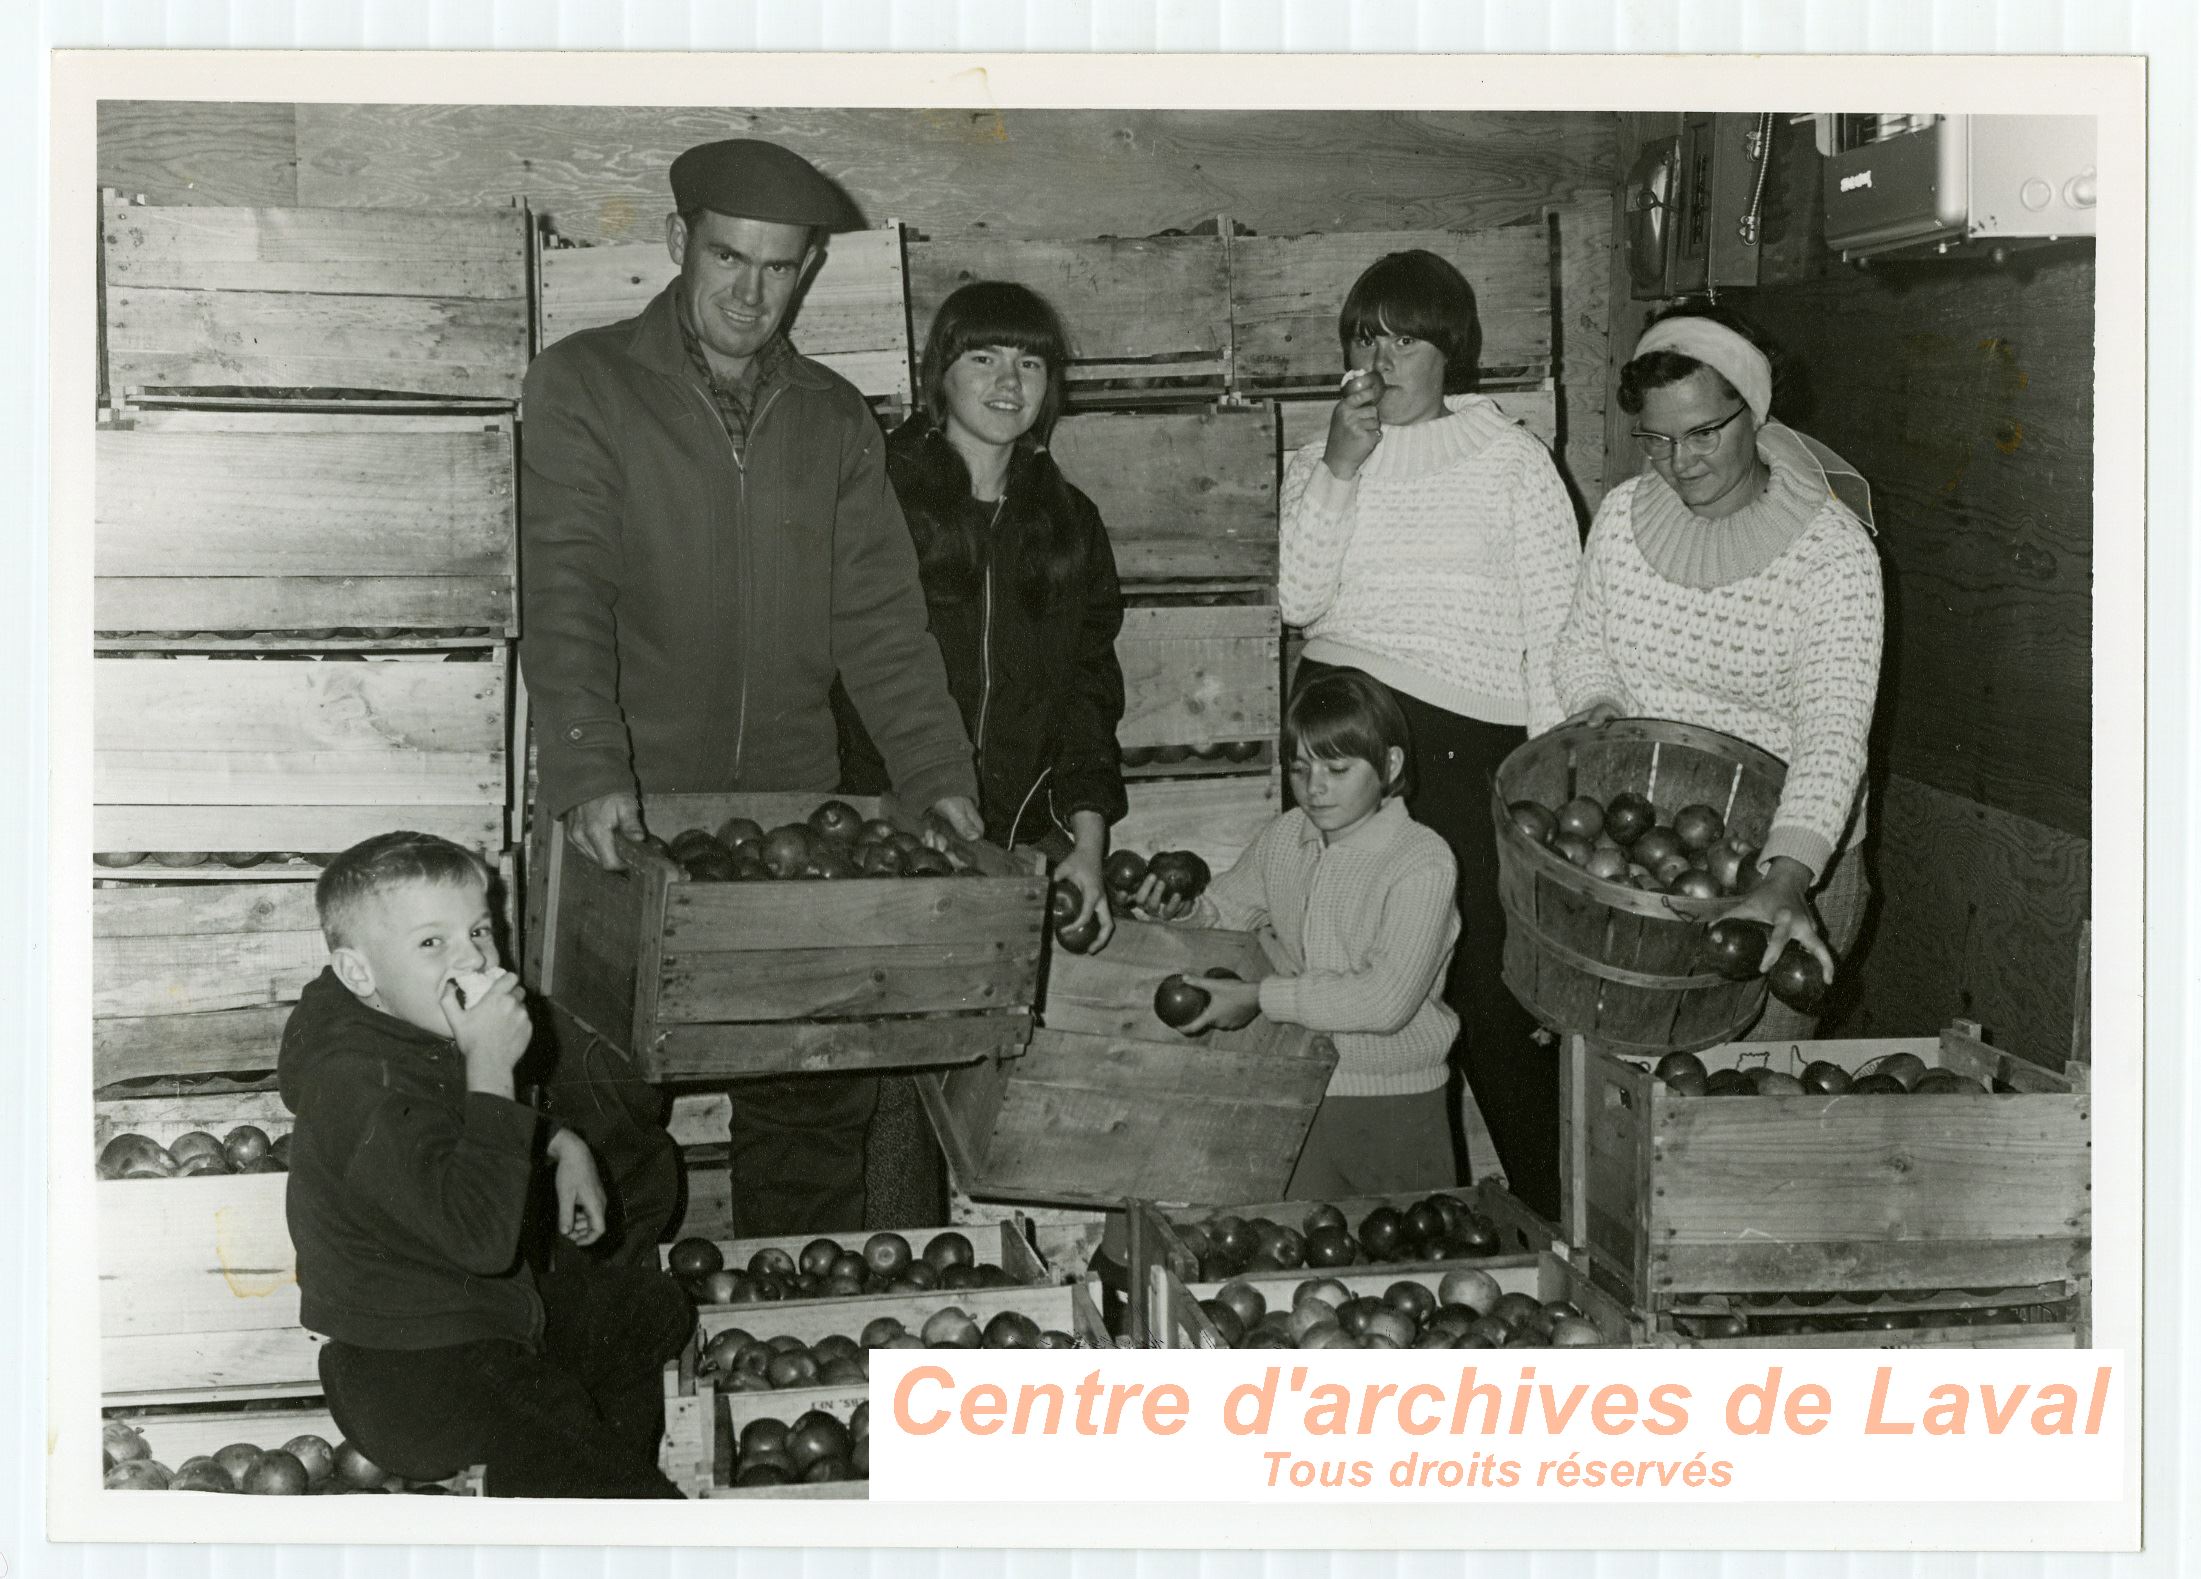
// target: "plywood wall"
[[599, 174]]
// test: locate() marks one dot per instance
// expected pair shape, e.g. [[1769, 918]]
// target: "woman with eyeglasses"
[[1427, 540], [1734, 584]]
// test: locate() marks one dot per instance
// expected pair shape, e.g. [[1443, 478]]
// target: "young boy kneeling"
[[459, 1333], [1358, 899]]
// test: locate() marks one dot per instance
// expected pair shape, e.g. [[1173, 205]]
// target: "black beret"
[[746, 178]]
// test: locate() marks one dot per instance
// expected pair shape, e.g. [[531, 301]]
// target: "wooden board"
[[289, 299], [1157, 308], [1213, 817], [1197, 676], [190, 950], [598, 171], [270, 526], [167, 1118], [1185, 495], [283, 754], [192, 151], [1670, 1194], [1286, 293], [1994, 936], [1582, 345], [854, 316]]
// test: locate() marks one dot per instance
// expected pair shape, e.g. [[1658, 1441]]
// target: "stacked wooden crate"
[[1959, 1219], [304, 604]]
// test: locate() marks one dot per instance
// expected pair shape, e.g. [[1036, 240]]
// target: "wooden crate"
[[198, 1292], [1676, 1197], [702, 1425], [1198, 677], [853, 317], [272, 303], [1186, 496], [176, 1437], [1147, 318], [1177, 1322], [1520, 1230], [197, 978], [1215, 817], [1001, 1243], [1285, 293], [1110, 1103], [293, 753], [2060, 1313], [168, 1118], [1535, 408], [706, 981], [285, 522]]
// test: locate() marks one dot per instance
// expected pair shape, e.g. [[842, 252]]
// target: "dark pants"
[[797, 1152], [579, 1414], [1514, 1076], [588, 1086]]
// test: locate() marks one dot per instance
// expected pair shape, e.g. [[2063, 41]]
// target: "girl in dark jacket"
[[1020, 581]]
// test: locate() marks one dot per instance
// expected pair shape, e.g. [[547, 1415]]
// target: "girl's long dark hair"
[[1038, 510]]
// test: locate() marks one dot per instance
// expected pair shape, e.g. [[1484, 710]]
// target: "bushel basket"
[[1600, 959]]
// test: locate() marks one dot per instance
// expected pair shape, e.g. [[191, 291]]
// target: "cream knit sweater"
[[1786, 655], [1443, 568], [1362, 930]]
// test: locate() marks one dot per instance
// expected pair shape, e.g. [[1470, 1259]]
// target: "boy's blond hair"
[[386, 861]]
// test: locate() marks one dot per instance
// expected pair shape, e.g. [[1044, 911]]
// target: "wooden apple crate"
[[1673, 1199], [854, 316], [169, 1116], [1215, 818], [714, 981], [1177, 1322], [1520, 1231], [1109, 1103], [174, 1437], [260, 304], [2060, 1319], [1189, 498], [702, 1424], [1199, 677], [1148, 318], [198, 1293], [1001, 1244], [296, 753], [261, 524]]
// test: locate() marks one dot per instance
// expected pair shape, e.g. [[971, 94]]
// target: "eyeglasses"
[[1697, 441]]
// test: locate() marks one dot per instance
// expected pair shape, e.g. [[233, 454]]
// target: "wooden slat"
[[191, 151], [203, 1255], [852, 913], [1188, 495], [1195, 676], [312, 828], [319, 520], [1163, 301], [1111, 993], [700, 1119], [1050, 1305], [179, 732], [1862, 1264], [1214, 817], [231, 1040], [1583, 331], [721, 1052], [853, 317], [406, 345], [1307, 420], [468, 252], [203, 1367], [1286, 293], [167, 1118], [194, 975], [844, 983]]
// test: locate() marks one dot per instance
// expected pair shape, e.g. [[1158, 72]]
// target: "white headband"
[[1722, 350]]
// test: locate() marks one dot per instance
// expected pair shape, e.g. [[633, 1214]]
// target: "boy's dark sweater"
[[409, 1195]]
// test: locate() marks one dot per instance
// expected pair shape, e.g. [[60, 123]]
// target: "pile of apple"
[[237, 858], [1438, 1228], [246, 1149], [836, 842], [826, 1269], [1465, 1311], [1622, 842], [1897, 1074], [1736, 1324], [817, 1447], [304, 1465], [738, 1361], [1182, 875]]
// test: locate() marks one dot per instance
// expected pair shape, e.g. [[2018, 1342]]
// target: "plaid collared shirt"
[[735, 401]]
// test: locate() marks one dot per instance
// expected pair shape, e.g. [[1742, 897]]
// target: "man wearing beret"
[[707, 540]]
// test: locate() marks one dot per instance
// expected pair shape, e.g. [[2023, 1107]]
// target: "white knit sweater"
[[1786, 657], [1443, 568], [1363, 931]]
